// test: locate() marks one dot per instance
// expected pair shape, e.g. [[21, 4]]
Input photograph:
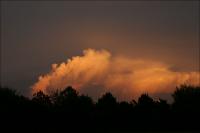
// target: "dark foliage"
[[67, 110], [187, 98]]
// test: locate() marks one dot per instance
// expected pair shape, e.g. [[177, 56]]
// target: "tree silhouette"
[[67, 98], [10, 100], [41, 100], [186, 106], [146, 102], [67, 110], [107, 101], [162, 106], [186, 97]]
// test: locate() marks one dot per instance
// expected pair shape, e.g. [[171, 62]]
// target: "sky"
[[113, 45]]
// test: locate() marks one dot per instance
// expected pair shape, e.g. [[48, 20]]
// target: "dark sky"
[[38, 34]]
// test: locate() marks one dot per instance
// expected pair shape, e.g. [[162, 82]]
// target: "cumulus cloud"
[[125, 77]]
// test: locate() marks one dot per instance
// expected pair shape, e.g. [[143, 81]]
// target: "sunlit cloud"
[[123, 76]]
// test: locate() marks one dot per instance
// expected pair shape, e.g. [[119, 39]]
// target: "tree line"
[[69, 110]]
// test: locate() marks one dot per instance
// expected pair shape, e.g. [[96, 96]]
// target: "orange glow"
[[126, 76]]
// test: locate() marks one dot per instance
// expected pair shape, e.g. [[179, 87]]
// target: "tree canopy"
[[105, 114]]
